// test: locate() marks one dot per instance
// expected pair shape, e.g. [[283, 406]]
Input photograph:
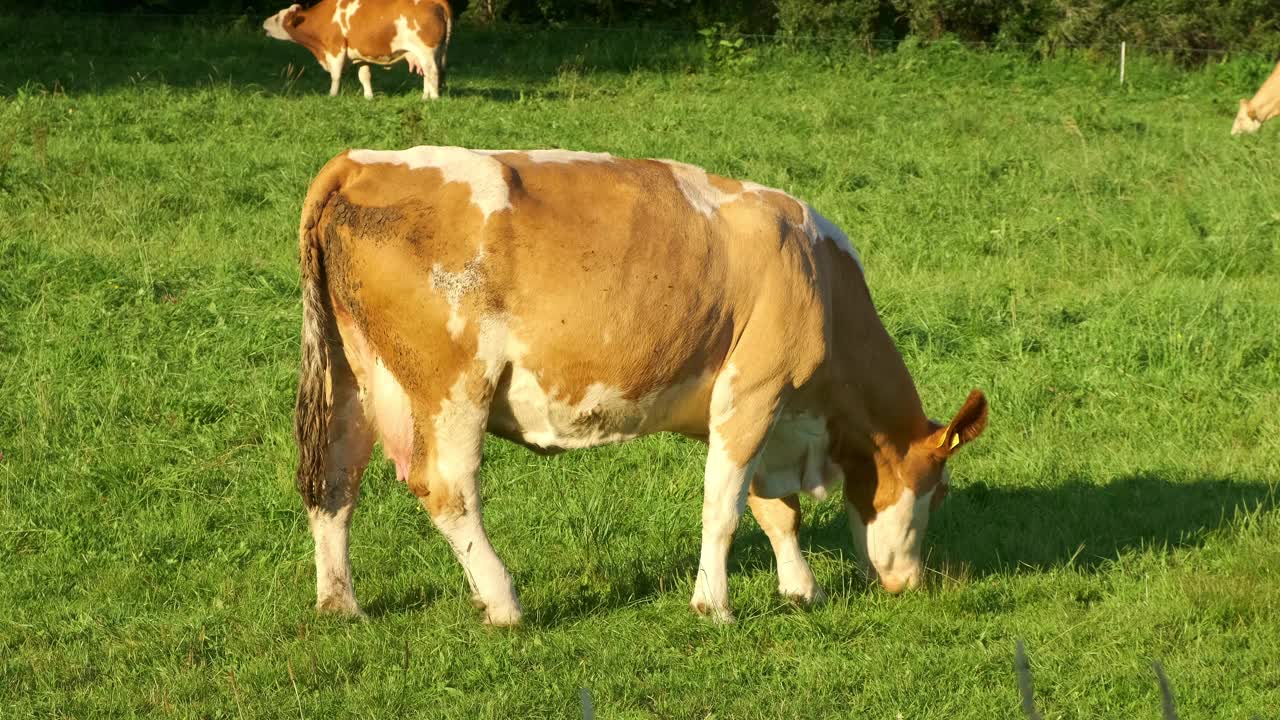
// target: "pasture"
[[1103, 261]]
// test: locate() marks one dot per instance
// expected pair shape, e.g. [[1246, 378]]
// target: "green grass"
[[1103, 261]]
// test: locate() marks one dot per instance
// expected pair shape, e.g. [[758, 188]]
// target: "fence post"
[[1121, 62], [588, 712]]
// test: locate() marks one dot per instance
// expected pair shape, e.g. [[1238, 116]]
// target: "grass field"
[[1103, 261]]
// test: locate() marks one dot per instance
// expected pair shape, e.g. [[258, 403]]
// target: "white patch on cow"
[[795, 458], [274, 25], [722, 407], [527, 409], [818, 228], [604, 415], [700, 193], [456, 323], [453, 285], [893, 540], [556, 156], [479, 172], [334, 589], [393, 416], [342, 15]]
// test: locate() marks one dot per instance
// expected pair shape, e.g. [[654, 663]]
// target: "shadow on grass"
[[87, 54], [987, 530], [984, 530]]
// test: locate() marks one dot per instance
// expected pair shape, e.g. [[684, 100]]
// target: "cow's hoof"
[[804, 597], [509, 617], [339, 607], [721, 615]]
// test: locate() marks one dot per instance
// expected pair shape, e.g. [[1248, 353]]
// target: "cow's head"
[[279, 25], [892, 488], [1246, 120]]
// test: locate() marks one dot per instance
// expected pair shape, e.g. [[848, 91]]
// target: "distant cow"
[[371, 31], [1264, 105], [566, 300]]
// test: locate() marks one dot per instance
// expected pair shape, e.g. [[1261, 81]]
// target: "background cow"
[[566, 300], [1264, 105], [371, 31]]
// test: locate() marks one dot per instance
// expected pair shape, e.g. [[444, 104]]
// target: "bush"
[[828, 18]]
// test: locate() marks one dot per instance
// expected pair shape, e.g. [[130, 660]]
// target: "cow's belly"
[[796, 458], [525, 412], [389, 57]]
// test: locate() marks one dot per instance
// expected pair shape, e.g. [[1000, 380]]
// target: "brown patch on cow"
[[724, 184]]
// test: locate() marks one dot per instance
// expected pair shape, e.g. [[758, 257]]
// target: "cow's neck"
[[874, 394], [1265, 104], [319, 33]]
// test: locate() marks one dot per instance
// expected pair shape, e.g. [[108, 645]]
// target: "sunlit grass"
[[1104, 262]]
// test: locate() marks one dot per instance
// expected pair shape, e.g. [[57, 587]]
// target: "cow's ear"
[[968, 423], [296, 19]]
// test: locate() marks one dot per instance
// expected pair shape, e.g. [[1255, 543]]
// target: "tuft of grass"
[[1104, 261]]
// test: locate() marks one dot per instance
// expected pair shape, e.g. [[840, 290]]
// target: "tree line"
[[1046, 25]]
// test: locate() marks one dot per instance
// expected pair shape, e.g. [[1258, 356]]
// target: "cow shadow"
[[1082, 523], [984, 530]]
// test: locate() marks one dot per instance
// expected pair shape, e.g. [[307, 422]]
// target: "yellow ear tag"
[[955, 440]]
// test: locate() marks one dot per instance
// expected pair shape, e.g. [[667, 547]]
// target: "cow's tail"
[[442, 57], [320, 339]]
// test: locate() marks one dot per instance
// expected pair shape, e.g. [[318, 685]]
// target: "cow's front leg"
[[349, 445], [780, 520], [334, 64], [738, 426], [443, 476], [365, 81]]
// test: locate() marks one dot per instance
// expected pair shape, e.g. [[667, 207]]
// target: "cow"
[[566, 300], [381, 32], [1264, 105]]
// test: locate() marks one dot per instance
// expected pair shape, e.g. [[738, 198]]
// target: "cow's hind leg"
[[780, 520], [350, 442], [444, 477], [741, 415], [427, 62], [365, 81]]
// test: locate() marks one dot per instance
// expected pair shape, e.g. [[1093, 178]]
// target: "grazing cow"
[[1264, 105], [566, 300], [371, 31]]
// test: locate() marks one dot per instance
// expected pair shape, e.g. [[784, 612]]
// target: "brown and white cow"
[[382, 32], [567, 300], [1264, 105]]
